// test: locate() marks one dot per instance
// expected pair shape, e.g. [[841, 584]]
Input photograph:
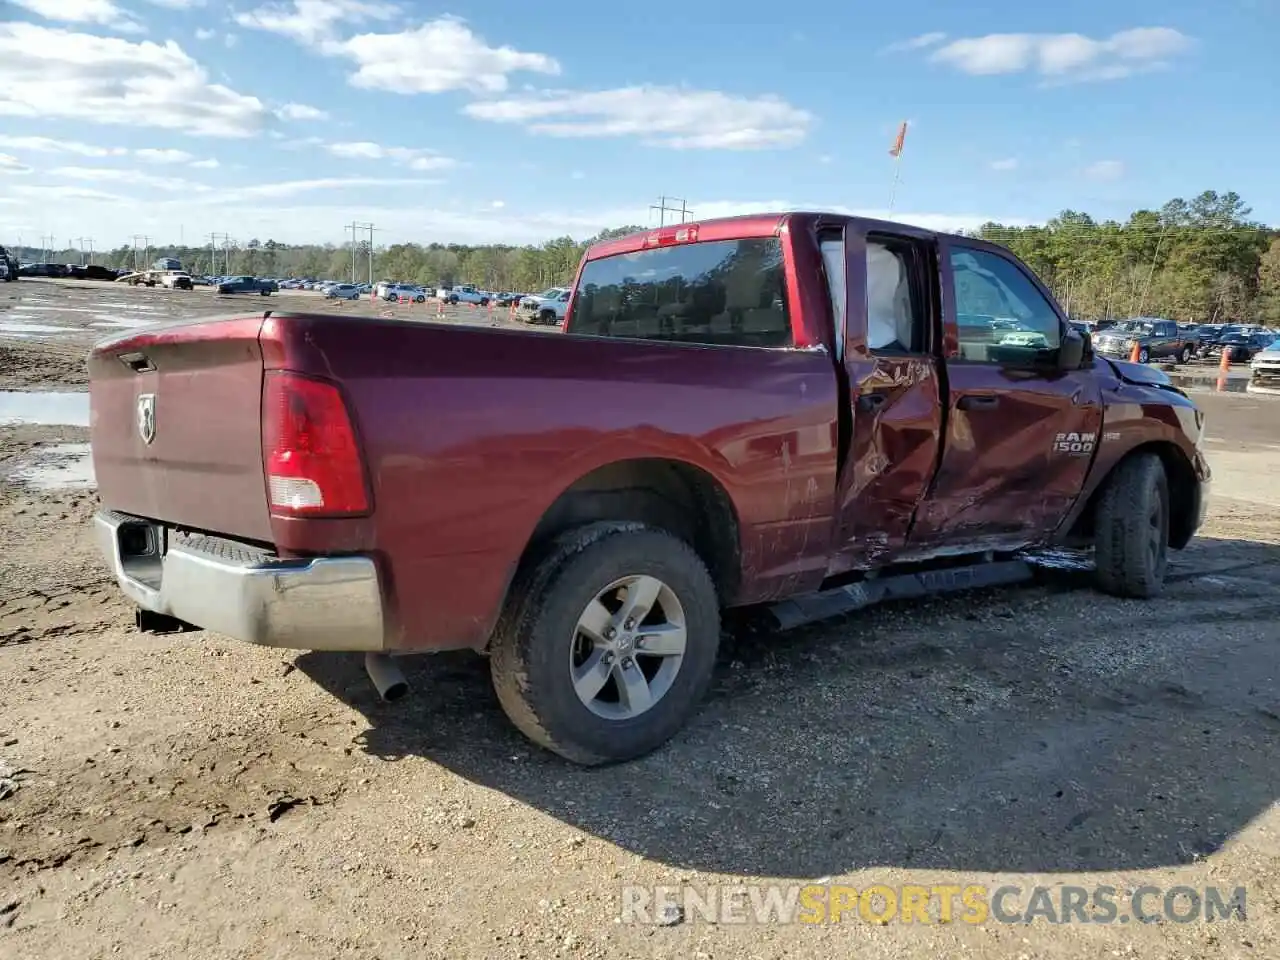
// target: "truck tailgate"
[[175, 422]]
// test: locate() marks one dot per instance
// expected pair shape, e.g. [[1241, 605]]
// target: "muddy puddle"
[[44, 409], [16, 326], [59, 466]]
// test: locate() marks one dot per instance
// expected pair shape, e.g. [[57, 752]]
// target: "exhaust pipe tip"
[[386, 675]]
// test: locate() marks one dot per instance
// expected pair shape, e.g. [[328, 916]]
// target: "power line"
[[663, 209]]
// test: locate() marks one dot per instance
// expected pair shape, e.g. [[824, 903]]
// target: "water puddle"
[[122, 305], [8, 326], [1211, 383], [60, 466], [44, 409], [107, 320]]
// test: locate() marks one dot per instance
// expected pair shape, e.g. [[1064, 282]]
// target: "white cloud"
[[47, 197], [163, 156], [439, 55], [178, 4], [126, 176], [498, 204], [1065, 57], [413, 158], [291, 187], [49, 145], [313, 22], [1105, 170], [11, 164], [931, 39], [300, 111], [98, 12], [1008, 163], [204, 34], [52, 73], [209, 164], [662, 116]]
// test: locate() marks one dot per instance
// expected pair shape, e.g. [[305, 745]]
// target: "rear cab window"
[[715, 292]]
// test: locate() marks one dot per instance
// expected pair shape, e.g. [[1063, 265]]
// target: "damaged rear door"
[[891, 354]]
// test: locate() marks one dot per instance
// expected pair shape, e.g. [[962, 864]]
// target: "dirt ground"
[[189, 796]]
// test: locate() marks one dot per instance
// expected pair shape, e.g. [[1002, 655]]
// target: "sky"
[[511, 121]]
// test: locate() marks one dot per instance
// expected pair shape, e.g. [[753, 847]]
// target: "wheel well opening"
[[682, 499], [1182, 486]]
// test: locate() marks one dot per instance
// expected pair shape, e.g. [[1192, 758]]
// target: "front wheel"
[[1143, 355], [547, 316], [606, 646], [1184, 355], [1131, 532]]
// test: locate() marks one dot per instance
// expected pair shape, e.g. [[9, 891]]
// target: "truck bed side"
[[471, 435]]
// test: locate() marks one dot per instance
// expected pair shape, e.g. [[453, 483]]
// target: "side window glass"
[[895, 318], [1001, 315], [834, 266]]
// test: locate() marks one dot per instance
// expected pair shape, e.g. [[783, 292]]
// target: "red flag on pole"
[[896, 149]]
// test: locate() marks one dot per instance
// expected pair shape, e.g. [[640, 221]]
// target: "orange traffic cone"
[[1224, 366], [1135, 353]]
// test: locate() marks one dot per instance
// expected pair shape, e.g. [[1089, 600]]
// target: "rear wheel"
[[1143, 355], [1184, 356], [1131, 537], [607, 644]]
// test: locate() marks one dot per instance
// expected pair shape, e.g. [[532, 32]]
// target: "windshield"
[[550, 293], [1133, 326]]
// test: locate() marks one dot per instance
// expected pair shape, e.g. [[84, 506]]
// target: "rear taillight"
[[309, 451]]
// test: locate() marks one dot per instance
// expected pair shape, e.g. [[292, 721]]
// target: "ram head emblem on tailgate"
[[147, 417]]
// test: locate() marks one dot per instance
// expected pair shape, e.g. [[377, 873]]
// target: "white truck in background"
[[464, 294], [549, 306]]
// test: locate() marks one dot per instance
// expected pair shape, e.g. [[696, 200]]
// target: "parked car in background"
[[404, 291], [247, 284], [547, 307], [342, 291], [1242, 345], [722, 422], [175, 280], [1264, 369], [1155, 338], [9, 266], [466, 293]]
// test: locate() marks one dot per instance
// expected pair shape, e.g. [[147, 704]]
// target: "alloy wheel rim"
[[628, 647]]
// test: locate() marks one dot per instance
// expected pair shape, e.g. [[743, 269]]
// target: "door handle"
[[977, 402], [872, 401]]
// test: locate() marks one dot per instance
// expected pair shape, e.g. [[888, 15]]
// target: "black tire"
[[1144, 355], [547, 316], [484, 301], [1131, 536], [1184, 356], [530, 652]]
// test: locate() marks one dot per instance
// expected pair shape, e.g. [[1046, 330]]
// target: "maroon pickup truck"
[[802, 411]]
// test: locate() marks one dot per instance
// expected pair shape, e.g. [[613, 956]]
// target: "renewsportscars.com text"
[[937, 903]]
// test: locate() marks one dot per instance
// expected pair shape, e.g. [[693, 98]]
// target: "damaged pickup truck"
[[801, 411]]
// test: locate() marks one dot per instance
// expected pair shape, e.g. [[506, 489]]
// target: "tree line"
[[1199, 260]]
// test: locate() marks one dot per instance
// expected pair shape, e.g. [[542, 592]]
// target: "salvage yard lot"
[[186, 796]]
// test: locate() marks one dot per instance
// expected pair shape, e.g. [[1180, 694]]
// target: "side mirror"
[[1072, 352]]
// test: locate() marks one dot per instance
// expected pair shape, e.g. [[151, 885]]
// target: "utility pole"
[[371, 228], [46, 241], [82, 241], [356, 228], [146, 248], [667, 205]]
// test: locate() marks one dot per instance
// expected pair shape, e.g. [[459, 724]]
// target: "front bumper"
[[320, 603]]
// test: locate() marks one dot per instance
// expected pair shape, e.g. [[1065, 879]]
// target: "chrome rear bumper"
[[321, 603]]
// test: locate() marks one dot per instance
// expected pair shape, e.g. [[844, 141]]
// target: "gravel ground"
[[187, 796]]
